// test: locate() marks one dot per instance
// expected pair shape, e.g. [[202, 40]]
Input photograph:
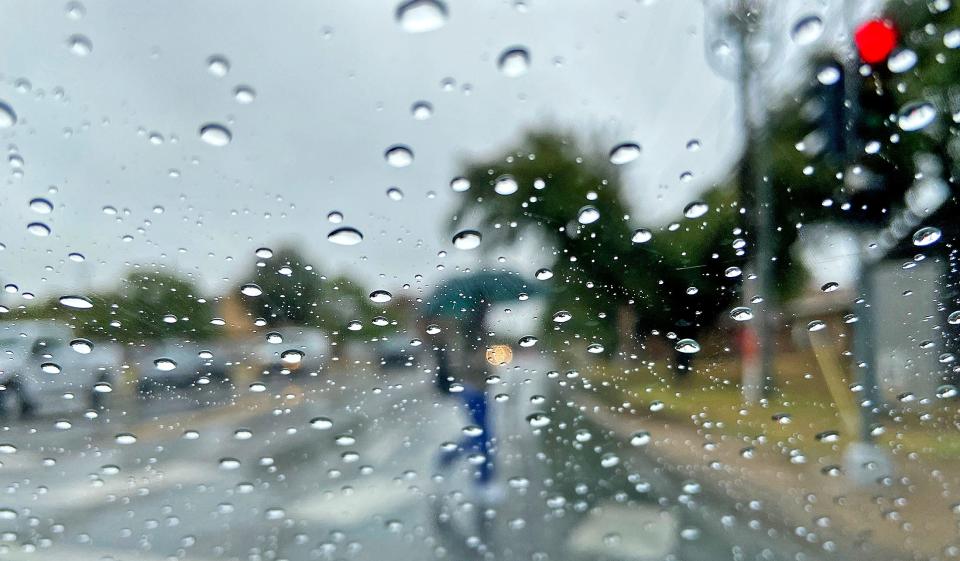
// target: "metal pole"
[[754, 179]]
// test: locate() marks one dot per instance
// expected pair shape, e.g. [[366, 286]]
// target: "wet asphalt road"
[[232, 474]]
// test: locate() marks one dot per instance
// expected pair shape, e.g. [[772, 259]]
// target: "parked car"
[[294, 350], [177, 364], [45, 367]]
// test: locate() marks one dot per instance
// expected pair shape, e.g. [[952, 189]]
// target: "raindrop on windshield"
[[251, 289], [79, 302], [741, 313], [467, 239], [82, 346], [514, 62], [421, 110], [41, 206], [215, 135], [915, 116], [420, 16], [38, 229], [505, 185], [79, 45], [588, 215], [398, 156], [688, 346], [641, 235], [624, 153], [925, 236], [218, 65], [164, 364], [696, 209], [345, 236], [380, 296], [8, 116], [807, 30]]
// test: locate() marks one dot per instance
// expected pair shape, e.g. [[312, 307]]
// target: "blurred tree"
[[610, 285], [295, 293], [146, 306]]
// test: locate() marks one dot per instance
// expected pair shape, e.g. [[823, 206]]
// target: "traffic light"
[[875, 40]]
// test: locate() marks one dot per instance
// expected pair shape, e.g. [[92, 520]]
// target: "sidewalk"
[[909, 516]]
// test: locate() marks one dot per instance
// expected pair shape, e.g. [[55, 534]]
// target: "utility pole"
[[742, 19]]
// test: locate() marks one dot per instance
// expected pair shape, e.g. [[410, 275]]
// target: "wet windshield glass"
[[518, 280]]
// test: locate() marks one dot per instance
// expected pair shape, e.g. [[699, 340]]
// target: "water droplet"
[[460, 184], [421, 110], [215, 135], [594, 348], [79, 45], [514, 62], [229, 463], [38, 229], [41, 206], [505, 185], [902, 61], [335, 217], [380, 296], [75, 10], [218, 65], [696, 209], [538, 420], [78, 302], [543, 274], [527, 341], [264, 253], [125, 438], [946, 391], [624, 153], [82, 346], [828, 436], [640, 438], [251, 289], [688, 346], [954, 318], [102, 387], [420, 16], [741, 313], [257, 387], [244, 95], [345, 236], [816, 325], [345, 440], [641, 235], [398, 156], [782, 418], [925, 236], [562, 316], [830, 286], [50, 368], [8, 117], [467, 239], [732, 272], [807, 30], [609, 460], [354, 325], [164, 364], [274, 338], [915, 116], [588, 215], [321, 423], [292, 356]]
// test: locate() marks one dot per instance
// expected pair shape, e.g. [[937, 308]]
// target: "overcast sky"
[[334, 85]]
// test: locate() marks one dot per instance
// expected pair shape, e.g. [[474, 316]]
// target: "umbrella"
[[467, 297]]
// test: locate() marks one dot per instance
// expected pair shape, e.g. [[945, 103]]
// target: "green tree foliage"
[[138, 310], [598, 270]]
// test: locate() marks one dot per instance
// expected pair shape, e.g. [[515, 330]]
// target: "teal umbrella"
[[467, 297]]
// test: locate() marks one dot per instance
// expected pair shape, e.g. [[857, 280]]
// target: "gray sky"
[[334, 85]]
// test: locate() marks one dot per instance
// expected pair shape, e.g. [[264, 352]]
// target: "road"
[[224, 474]]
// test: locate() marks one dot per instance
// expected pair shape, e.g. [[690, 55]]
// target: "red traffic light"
[[875, 40]]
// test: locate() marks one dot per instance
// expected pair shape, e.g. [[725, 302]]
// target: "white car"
[[46, 367]]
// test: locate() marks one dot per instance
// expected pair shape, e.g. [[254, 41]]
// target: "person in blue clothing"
[[474, 400]]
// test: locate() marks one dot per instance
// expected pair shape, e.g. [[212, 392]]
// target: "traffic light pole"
[[755, 182]]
